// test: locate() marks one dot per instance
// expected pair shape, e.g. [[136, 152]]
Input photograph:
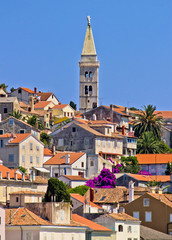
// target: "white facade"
[[72, 183]]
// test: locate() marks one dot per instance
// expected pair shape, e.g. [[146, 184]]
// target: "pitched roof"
[[23, 105], [161, 197], [89, 46], [154, 158], [92, 225], [75, 178], [23, 216], [164, 114], [4, 171], [122, 216], [44, 95], [119, 109], [151, 234], [83, 200], [47, 152], [60, 106], [27, 90], [59, 158], [147, 178], [41, 104], [19, 137]]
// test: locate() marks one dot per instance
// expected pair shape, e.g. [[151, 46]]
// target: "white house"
[[67, 163], [73, 181]]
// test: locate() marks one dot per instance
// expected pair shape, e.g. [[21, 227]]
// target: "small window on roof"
[[11, 121], [103, 198], [19, 91]]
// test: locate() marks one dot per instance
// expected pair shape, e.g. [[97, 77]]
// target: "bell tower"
[[88, 98]]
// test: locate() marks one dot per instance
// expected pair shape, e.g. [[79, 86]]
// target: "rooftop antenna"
[[88, 19]]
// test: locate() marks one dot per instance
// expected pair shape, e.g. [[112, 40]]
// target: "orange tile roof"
[[154, 158], [60, 106], [145, 178], [83, 200], [118, 109], [160, 197], [75, 178], [41, 104], [59, 158], [19, 137], [4, 171], [40, 180], [92, 225], [27, 90], [47, 152], [23, 216], [164, 114], [44, 95], [23, 105], [27, 193], [122, 216]]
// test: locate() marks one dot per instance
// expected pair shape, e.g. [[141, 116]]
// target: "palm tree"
[[148, 121], [16, 114], [4, 87], [34, 121], [148, 143]]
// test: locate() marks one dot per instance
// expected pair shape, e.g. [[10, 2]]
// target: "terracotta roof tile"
[[41, 104], [23, 216], [118, 109], [59, 158], [27, 90], [20, 137], [122, 216], [146, 178], [4, 171], [154, 158], [23, 105], [39, 179], [92, 225], [60, 106], [44, 95], [83, 200], [47, 152], [162, 198], [75, 178], [164, 114]]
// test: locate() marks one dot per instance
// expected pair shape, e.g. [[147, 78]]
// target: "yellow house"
[[63, 110]]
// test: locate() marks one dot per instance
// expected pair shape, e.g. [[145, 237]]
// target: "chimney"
[[8, 175], [31, 103], [53, 150], [126, 110], [35, 89], [15, 176], [91, 194], [111, 112], [94, 117], [0, 175], [1, 162], [23, 177], [123, 130], [131, 191], [67, 158], [152, 189]]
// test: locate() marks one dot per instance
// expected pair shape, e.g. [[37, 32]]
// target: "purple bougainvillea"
[[106, 179], [144, 173]]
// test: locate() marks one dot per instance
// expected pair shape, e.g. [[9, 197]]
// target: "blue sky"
[[41, 43]]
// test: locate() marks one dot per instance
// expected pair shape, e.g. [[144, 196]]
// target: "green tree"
[[73, 105], [45, 138], [79, 189], [148, 121], [22, 169], [16, 114], [168, 169], [148, 143], [130, 164], [12, 89], [56, 191], [4, 87], [34, 121]]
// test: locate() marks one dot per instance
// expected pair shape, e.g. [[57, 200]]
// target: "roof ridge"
[[28, 211], [14, 213]]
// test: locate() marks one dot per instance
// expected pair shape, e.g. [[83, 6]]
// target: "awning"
[[41, 169]]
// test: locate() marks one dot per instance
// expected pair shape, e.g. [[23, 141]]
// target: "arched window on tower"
[[90, 90], [86, 74], [86, 90], [90, 74], [120, 228]]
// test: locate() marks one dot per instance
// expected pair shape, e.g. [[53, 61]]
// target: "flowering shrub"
[[117, 168], [105, 179], [144, 173]]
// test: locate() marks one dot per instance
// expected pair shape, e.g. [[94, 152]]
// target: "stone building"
[[89, 65], [7, 106], [23, 94]]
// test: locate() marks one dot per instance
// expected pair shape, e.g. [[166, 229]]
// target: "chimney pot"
[[15, 176], [35, 89], [8, 175], [0, 175], [67, 158], [131, 191]]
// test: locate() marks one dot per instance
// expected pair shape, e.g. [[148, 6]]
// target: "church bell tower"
[[88, 98]]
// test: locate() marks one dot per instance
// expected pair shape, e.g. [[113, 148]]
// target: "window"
[[119, 144], [104, 164], [74, 129], [115, 144], [23, 158], [22, 131], [31, 146], [146, 202], [120, 228], [1, 143], [98, 142], [91, 163], [5, 110], [82, 164], [11, 158], [109, 143], [86, 90], [17, 199], [31, 159], [19, 91], [71, 143], [90, 90], [129, 238], [29, 236], [1, 131], [23, 146], [148, 216], [86, 74], [37, 159], [90, 74], [56, 175], [60, 142], [104, 143], [136, 215], [11, 121], [129, 229], [170, 217], [37, 148], [94, 105]]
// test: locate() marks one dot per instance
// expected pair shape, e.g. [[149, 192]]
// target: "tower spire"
[[89, 46]]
